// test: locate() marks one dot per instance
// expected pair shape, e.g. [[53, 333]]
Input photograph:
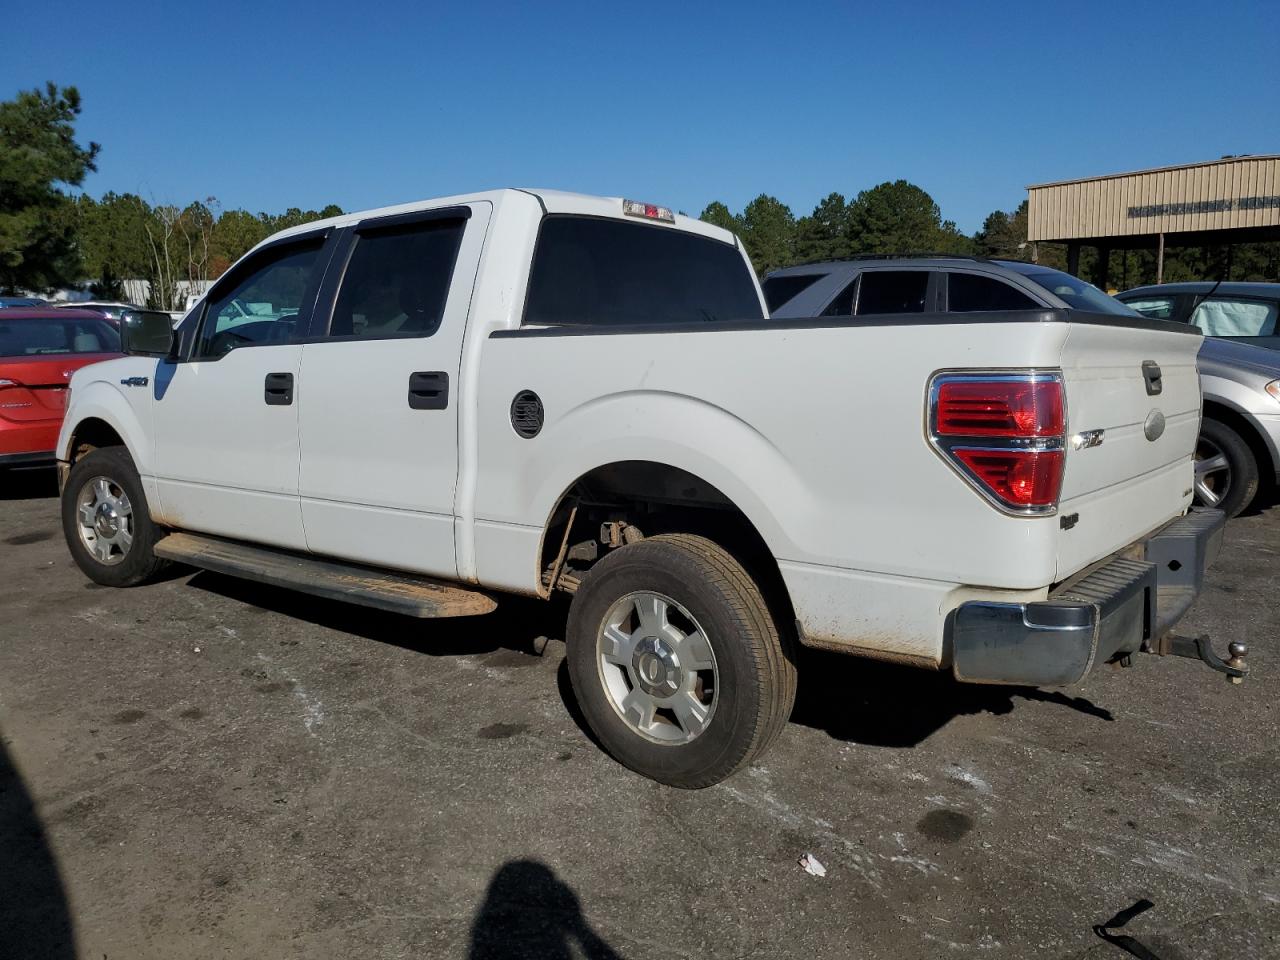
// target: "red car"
[[40, 348]]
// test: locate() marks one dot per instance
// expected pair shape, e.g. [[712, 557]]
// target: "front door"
[[226, 415], [379, 412]]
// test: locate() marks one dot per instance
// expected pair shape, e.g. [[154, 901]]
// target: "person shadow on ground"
[[528, 912], [35, 916]]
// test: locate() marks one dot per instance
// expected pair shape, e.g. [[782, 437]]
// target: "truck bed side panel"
[[816, 434]]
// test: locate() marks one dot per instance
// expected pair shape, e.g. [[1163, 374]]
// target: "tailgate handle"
[[1151, 374], [429, 390]]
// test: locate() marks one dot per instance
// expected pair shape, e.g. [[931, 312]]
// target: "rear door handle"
[[278, 391], [429, 390], [1151, 374]]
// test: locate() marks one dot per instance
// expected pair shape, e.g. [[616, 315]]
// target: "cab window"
[[397, 281], [262, 302], [603, 272]]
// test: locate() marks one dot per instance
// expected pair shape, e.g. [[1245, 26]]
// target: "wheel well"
[[621, 502], [1267, 467], [91, 434]]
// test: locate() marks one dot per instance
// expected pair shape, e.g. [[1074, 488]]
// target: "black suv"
[[927, 284]]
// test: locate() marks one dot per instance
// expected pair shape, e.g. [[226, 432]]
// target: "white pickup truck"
[[527, 391]]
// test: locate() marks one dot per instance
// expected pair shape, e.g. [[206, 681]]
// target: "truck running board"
[[402, 593]]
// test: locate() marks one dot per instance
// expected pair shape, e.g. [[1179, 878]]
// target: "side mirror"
[[146, 333]]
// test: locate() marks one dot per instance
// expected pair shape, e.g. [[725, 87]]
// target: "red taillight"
[[1005, 433], [1000, 408], [1022, 478]]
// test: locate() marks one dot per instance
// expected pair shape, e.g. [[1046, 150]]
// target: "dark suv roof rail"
[[913, 256]]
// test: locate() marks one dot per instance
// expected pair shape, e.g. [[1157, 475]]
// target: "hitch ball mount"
[[1201, 648]]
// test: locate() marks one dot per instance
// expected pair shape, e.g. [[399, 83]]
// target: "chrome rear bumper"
[[1124, 606]]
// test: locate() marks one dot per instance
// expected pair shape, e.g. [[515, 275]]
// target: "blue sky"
[[268, 106]]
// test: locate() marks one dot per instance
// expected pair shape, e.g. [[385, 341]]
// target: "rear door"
[[380, 391]]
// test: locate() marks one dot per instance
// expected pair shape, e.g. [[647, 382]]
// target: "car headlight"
[[1273, 388]]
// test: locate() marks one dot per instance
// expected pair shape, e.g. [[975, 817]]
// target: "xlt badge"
[[1086, 439]]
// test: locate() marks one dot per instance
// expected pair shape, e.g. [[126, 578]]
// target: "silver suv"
[[1239, 449]]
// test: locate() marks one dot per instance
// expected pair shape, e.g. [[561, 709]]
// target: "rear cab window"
[[596, 271]]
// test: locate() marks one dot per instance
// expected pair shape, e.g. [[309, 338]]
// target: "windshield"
[[34, 337], [1077, 293], [596, 271]]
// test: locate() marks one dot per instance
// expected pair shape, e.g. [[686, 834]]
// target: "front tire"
[[676, 661], [1226, 469], [105, 520]]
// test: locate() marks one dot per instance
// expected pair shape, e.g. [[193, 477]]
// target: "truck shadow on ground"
[[28, 483], [520, 624], [885, 705], [529, 912], [35, 919], [849, 698]]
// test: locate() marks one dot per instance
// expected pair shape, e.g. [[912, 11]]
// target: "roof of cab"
[[552, 201]]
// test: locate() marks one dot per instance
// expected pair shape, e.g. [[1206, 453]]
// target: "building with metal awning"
[[1219, 202]]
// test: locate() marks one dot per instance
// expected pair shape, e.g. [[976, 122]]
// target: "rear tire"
[[106, 522], [676, 661], [1226, 469]]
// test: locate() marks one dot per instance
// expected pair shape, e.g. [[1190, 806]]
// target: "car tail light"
[[1003, 432], [1000, 408]]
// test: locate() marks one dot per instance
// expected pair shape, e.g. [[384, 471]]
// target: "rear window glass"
[[780, 290], [974, 293], [611, 273], [1076, 293], [38, 338], [892, 291]]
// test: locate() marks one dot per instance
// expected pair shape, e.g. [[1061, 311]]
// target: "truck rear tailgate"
[[1141, 389]]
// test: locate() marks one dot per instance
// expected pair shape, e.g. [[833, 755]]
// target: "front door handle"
[[278, 391], [429, 390]]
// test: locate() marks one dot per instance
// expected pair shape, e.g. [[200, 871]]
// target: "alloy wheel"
[[104, 517], [1213, 473], [658, 667]]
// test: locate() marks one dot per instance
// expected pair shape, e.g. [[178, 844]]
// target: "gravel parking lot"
[[208, 768]]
